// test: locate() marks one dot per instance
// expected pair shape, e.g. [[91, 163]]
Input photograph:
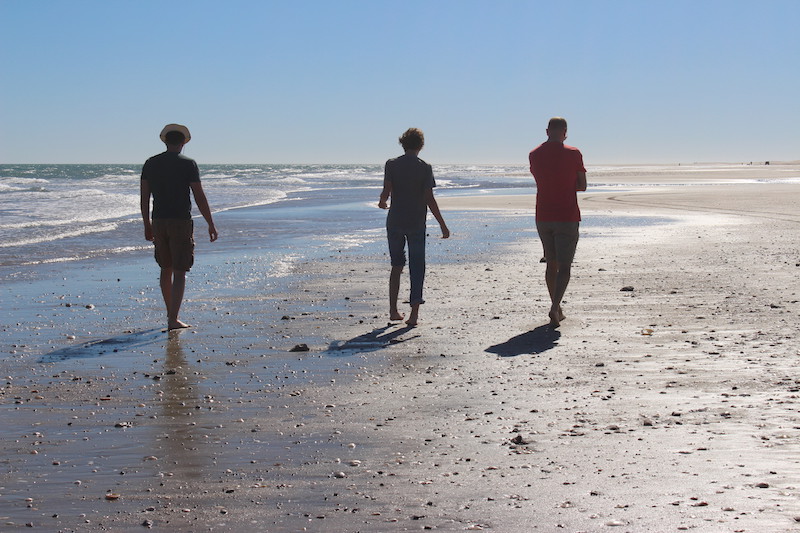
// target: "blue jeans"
[[416, 258]]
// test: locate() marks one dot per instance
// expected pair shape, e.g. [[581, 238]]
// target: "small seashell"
[[112, 496]]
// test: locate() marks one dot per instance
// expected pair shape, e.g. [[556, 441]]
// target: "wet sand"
[[666, 401]]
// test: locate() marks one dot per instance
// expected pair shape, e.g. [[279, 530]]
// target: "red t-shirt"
[[555, 168]]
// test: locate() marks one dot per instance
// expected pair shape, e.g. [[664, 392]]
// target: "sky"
[[338, 81]]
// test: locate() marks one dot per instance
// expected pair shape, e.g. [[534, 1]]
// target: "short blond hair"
[[557, 123]]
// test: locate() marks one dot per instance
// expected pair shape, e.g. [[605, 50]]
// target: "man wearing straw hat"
[[168, 177]]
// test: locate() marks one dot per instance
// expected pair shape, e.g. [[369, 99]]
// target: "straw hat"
[[175, 127]]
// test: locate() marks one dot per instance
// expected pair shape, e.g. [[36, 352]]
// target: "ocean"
[[56, 214], [71, 235], [62, 214]]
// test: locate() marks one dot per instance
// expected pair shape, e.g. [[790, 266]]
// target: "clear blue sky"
[[337, 81]]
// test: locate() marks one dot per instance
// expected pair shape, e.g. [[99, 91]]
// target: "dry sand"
[[670, 406]]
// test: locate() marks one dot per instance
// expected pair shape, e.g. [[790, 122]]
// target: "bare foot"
[[178, 325], [395, 315], [413, 318], [555, 319]]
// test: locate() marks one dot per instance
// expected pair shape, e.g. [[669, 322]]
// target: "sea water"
[[71, 236], [61, 214], [66, 213]]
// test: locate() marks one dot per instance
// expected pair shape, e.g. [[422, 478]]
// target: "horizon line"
[[762, 162]]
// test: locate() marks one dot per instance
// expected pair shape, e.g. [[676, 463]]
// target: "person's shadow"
[[536, 341], [100, 347], [377, 339]]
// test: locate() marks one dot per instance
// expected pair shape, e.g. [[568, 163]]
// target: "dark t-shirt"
[[169, 175], [410, 177]]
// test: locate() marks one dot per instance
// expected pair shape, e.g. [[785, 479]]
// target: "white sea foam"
[[69, 211], [56, 234]]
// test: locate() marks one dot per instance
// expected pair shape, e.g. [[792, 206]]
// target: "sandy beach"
[[666, 401]]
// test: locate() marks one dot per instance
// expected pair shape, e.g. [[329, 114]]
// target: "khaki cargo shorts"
[[174, 240], [559, 240]]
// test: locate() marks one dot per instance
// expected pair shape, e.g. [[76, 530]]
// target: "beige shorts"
[[174, 240], [559, 240]]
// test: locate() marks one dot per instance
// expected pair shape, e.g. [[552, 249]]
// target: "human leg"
[[547, 236], [165, 281], [397, 256], [557, 276], [559, 240], [176, 299], [416, 269], [413, 318], [174, 251], [394, 291]]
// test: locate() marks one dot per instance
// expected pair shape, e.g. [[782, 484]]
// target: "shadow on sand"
[[101, 347], [536, 341], [376, 339]]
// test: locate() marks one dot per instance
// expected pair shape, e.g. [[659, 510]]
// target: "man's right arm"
[[385, 194], [144, 193], [387, 188]]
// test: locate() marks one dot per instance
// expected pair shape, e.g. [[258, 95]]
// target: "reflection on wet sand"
[[178, 435]]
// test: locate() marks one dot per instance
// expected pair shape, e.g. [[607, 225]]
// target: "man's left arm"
[[430, 201], [202, 204], [581, 182]]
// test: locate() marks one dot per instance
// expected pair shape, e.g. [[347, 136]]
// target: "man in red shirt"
[[559, 173]]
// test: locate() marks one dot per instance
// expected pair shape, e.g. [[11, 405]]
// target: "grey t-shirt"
[[410, 177]]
